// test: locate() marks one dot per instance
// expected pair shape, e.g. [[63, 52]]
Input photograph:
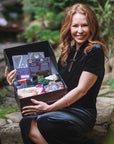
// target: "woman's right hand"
[[10, 76]]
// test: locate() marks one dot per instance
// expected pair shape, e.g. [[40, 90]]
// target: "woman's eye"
[[85, 25], [75, 26]]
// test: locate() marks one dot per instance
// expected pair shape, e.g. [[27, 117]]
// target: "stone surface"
[[104, 91], [112, 116], [15, 117], [2, 122], [10, 134], [10, 102], [104, 109]]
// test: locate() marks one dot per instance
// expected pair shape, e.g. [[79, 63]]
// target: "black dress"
[[68, 125]]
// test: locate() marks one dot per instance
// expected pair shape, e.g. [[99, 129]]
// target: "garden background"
[[26, 21]]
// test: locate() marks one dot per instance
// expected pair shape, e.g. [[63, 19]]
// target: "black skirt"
[[66, 126]]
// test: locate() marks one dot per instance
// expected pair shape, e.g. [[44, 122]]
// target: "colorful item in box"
[[23, 83], [36, 65], [30, 91], [20, 61], [27, 65], [53, 87], [43, 81], [42, 74], [53, 77], [22, 73], [35, 55]]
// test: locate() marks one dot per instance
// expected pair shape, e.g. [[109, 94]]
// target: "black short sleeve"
[[95, 61]]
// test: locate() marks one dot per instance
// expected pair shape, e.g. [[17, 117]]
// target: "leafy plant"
[[6, 110], [105, 14], [32, 33], [110, 82], [52, 12]]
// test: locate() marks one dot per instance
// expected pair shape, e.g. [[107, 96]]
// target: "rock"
[[107, 76], [111, 62], [1, 57], [2, 122], [107, 67], [104, 91], [10, 102], [9, 121], [15, 117], [110, 95], [2, 71], [104, 119], [10, 134], [112, 116], [112, 75], [104, 109], [98, 134]]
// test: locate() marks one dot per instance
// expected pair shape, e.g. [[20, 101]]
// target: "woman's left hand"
[[39, 108]]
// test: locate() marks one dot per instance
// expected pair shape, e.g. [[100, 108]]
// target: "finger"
[[28, 113], [35, 101], [6, 71], [28, 107], [11, 77], [12, 73]]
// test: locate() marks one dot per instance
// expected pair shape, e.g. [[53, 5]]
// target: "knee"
[[44, 125]]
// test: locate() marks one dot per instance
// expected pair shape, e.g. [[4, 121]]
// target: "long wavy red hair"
[[65, 35]]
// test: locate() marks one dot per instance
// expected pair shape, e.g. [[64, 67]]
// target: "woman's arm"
[[86, 81]]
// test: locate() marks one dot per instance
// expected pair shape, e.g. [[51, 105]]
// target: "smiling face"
[[80, 30]]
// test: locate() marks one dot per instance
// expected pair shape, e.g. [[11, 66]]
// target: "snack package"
[[44, 81], [19, 84], [30, 91], [53, 87], [43, 74], [53, 77]]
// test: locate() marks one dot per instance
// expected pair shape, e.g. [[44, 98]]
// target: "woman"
[[81, 66]]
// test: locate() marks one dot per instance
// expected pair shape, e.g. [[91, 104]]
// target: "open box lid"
[[43, 46]]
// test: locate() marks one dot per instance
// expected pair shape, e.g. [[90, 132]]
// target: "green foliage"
[[53, 12], [3, 92], [6, 110], [35, 33], [40, 13], [32, 33], [110, 82], [110, 138], [54, 19], [105, 16]]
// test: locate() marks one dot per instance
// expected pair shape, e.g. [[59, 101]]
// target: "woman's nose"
[[80, 30]]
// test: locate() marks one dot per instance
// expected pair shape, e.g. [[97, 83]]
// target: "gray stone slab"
[[15, 117]]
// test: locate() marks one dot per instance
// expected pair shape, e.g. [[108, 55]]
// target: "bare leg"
[[35, 134]]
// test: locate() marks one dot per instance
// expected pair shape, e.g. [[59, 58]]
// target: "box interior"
[[33, 47]]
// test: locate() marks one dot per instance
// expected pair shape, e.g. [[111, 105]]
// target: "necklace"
[[72, 61]]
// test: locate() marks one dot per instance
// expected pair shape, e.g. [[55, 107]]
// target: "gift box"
[[37, 71]]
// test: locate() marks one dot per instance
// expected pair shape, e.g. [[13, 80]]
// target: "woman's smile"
[[80, 31]]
